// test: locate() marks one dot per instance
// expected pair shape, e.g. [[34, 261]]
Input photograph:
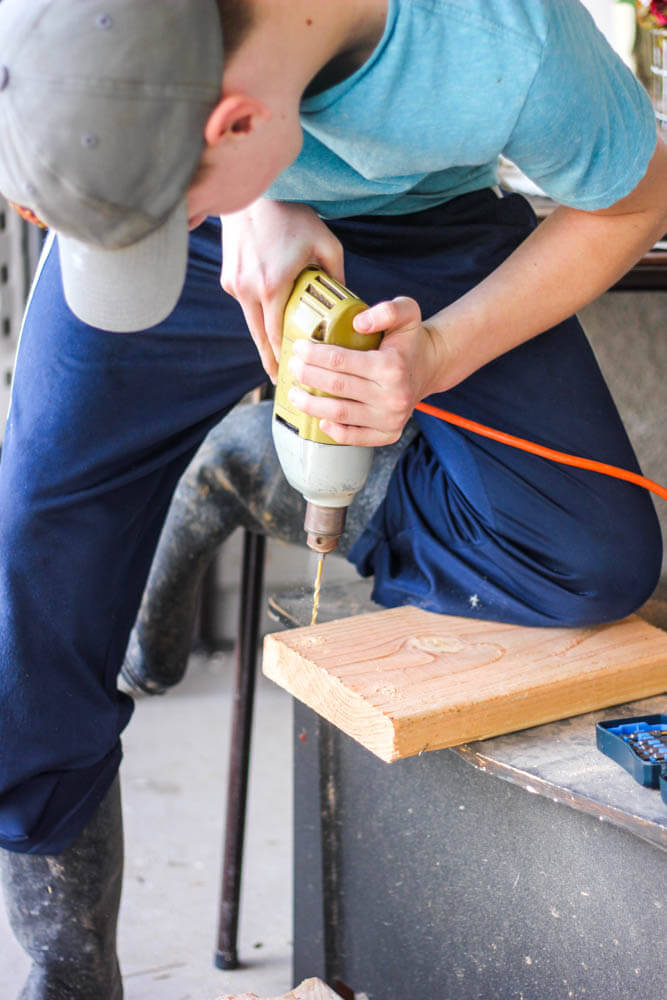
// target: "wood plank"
[[310, 989], [402, 681]]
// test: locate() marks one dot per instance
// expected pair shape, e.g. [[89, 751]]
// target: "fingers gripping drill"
[[328, 475]]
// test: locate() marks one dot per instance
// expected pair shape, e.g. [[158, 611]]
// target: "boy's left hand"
[[371, 393]]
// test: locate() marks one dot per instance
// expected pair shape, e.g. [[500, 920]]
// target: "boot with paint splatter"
[[63, 910]]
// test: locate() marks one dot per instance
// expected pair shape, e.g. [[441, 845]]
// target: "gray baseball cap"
[[102, 111]]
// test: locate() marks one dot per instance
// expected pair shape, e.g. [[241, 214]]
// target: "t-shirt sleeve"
[[587, 130]]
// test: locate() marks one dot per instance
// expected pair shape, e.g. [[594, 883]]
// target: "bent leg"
[[473, 527], [101, 427], [234, 480]]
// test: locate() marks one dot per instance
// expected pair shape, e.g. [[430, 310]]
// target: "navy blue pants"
[[102, 426]]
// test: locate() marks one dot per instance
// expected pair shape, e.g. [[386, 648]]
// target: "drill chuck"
[[323, 527]]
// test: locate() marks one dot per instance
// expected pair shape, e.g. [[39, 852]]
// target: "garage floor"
[[173, 780]]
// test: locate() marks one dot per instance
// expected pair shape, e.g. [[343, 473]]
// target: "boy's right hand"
[[264, 249]]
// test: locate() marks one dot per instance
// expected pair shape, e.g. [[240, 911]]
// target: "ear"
[[235, 114]]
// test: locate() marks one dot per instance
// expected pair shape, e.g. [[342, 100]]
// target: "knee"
[[616, 564], [238, 460], [211, 498], [233, 457]]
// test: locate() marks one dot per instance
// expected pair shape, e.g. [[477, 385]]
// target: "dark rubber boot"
[[63, 911], [234, 480], [223, 488]]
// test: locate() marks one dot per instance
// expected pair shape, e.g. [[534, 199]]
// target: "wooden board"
[[404, 681], [310, 989]]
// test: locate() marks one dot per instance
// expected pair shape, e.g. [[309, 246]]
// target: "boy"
[[376, 127]]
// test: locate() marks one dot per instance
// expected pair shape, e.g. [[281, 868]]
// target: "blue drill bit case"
[[638, 745]]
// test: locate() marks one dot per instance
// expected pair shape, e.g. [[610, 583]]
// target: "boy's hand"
[[376, 391], [264, 249]]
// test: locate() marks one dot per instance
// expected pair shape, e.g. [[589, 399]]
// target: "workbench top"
[[559, 760]]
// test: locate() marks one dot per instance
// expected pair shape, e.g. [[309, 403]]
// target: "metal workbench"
[[528, 866]]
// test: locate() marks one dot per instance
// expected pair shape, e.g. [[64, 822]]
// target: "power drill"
[[328, 475]]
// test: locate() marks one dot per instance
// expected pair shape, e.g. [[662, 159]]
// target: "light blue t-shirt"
[[454, 83]]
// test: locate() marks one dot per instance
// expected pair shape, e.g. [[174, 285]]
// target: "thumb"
[[388, 316]]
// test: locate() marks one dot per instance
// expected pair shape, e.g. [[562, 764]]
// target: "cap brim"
[[129, 289]]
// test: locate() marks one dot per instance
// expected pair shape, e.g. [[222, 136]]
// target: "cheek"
[[279, 150], [241, 176], [291, 147], [245, 182], [200, 193]]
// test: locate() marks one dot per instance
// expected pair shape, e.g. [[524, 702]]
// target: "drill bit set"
[[640, 746]]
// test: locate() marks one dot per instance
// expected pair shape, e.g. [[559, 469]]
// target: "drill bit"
[[317, 588]]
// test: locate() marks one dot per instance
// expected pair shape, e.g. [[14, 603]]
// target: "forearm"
[[367, 397], [570, 259]]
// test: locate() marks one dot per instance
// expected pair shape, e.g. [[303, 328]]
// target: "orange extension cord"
[[538, 449]]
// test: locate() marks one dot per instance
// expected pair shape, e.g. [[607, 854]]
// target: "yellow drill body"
[[328, 475]]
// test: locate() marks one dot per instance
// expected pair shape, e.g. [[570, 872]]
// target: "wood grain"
[[404, 680], [310, 989]]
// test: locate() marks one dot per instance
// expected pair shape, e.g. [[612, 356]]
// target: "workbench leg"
[[226, 955]]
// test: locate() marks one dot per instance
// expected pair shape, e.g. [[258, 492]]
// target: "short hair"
[[236, 18]]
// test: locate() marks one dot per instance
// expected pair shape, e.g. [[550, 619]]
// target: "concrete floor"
[[174, 779], [174, 787]]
